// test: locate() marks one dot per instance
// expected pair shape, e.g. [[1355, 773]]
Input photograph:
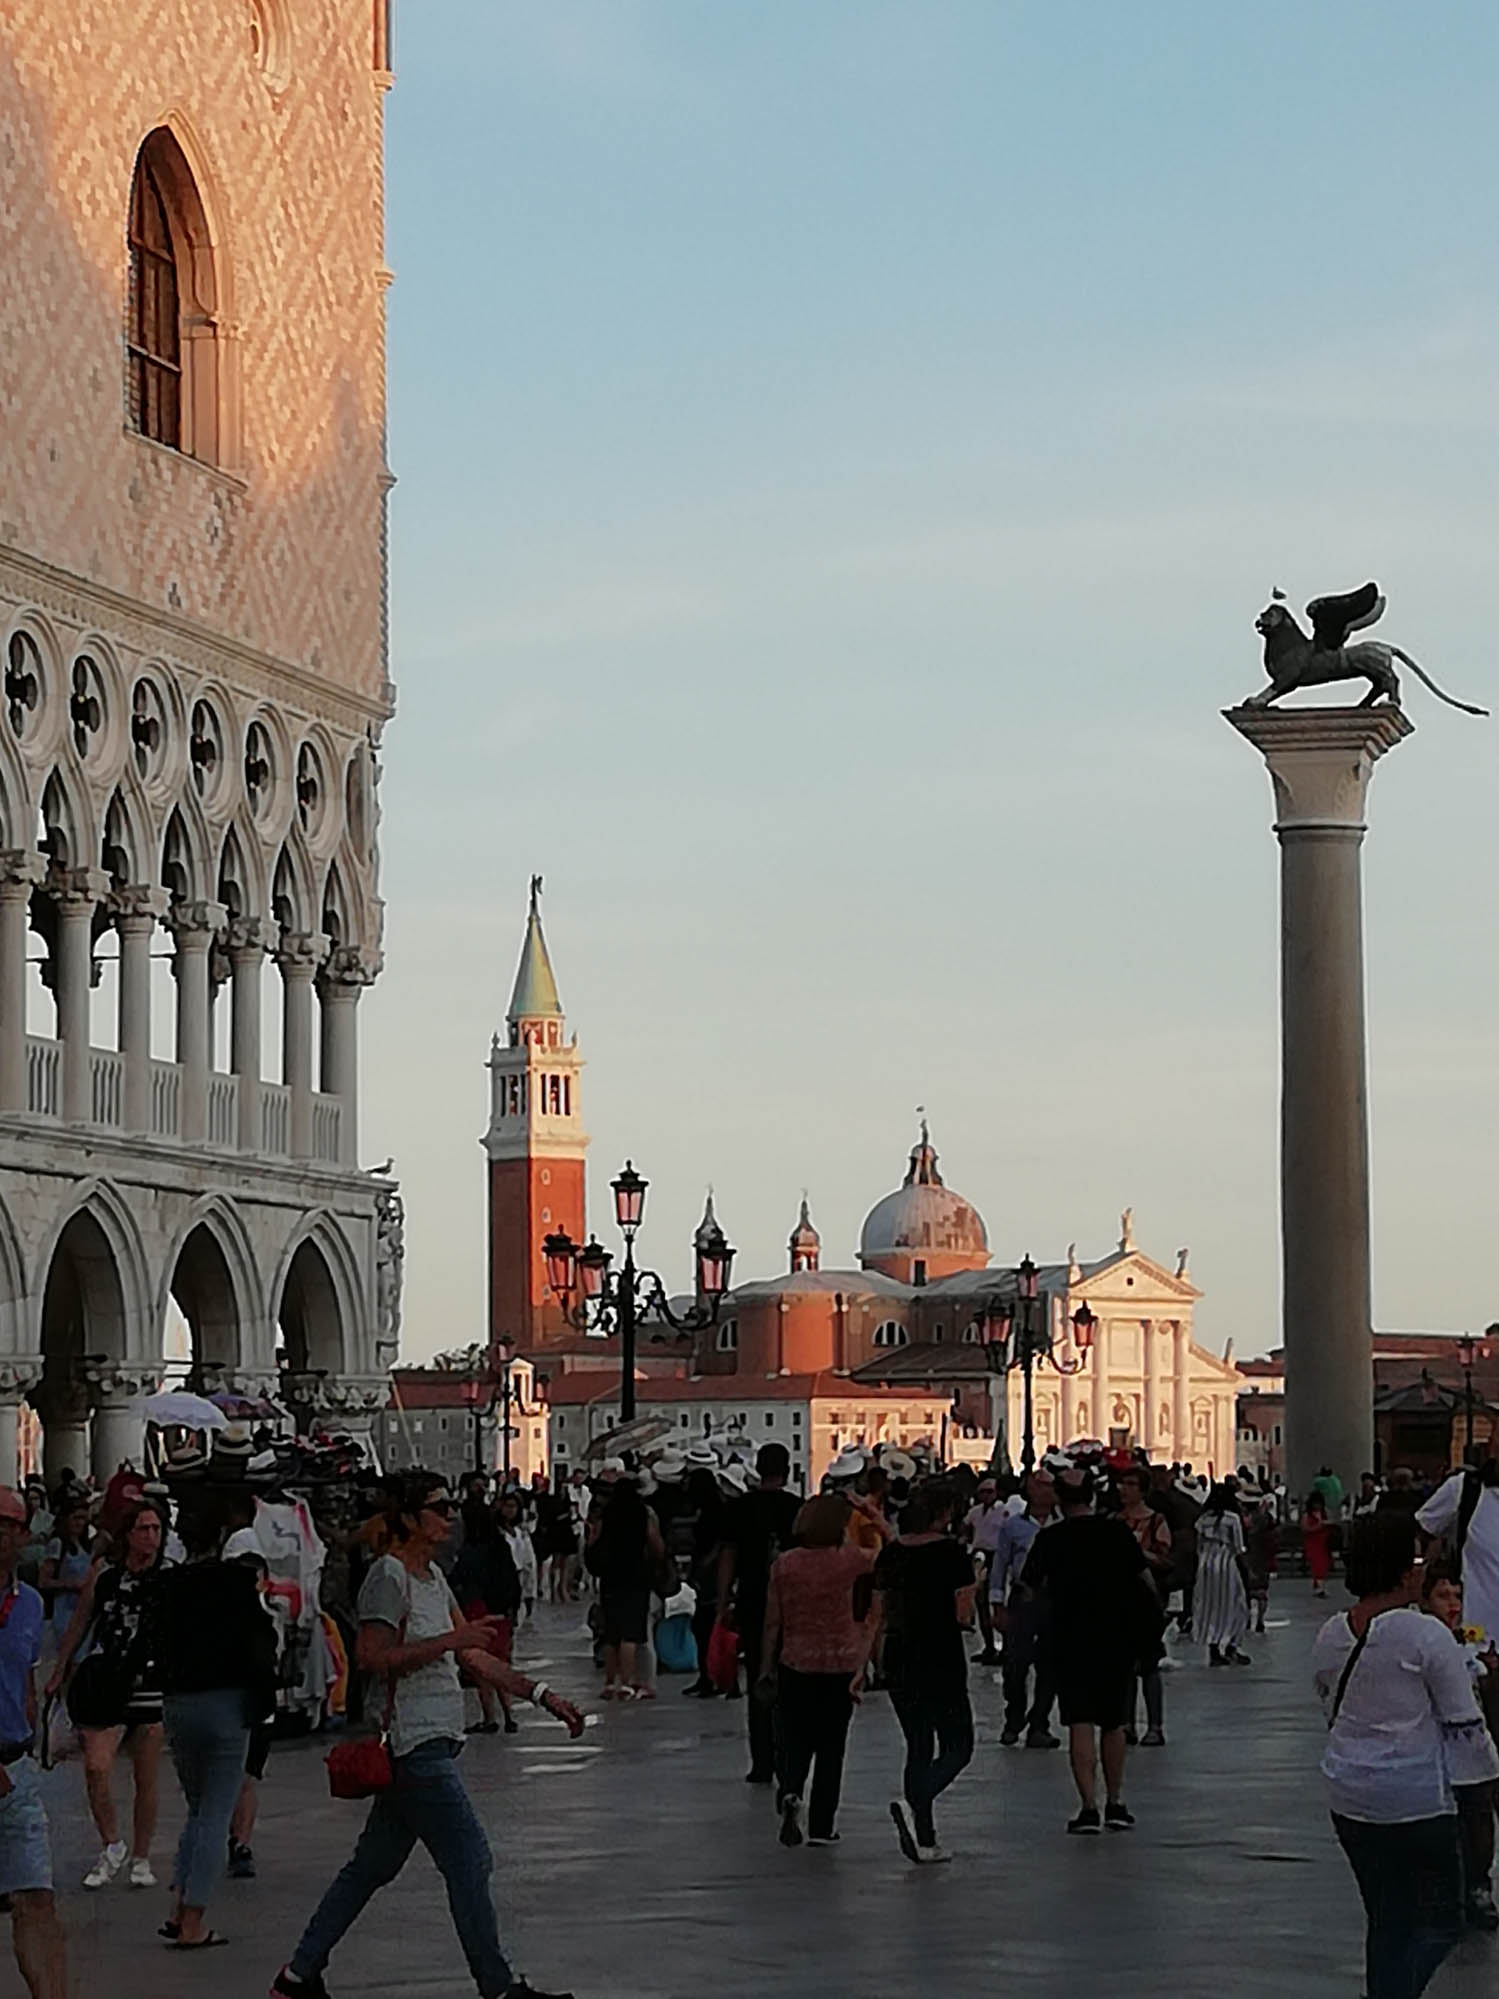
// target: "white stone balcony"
[[44, 1067]]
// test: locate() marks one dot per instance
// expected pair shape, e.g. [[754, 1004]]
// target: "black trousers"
[[938, 1727], [1410, 1877], [815, 1710], [759, 1713]]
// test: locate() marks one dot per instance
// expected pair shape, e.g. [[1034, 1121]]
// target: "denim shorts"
[[25, 1848]]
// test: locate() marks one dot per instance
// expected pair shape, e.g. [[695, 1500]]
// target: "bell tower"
[[536, 1146]]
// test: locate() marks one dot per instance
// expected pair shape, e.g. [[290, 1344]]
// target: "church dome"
[[923, 1222]]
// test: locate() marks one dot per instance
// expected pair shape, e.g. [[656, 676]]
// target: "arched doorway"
[[203, 1292], [309, 1320], [83, 1320]]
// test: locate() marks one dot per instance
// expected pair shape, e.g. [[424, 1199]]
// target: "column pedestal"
[[1320, 761]]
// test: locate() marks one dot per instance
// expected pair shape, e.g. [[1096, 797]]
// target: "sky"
[[842, 450]]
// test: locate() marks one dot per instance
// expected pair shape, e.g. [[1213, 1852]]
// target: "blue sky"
[[842, 450]]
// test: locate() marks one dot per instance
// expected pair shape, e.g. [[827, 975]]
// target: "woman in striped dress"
[[1220, 1609]]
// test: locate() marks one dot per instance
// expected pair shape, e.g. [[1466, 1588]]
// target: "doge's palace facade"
[[192, 629]]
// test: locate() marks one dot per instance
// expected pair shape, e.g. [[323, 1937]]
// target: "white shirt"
[[983, 1524], [1409, 1725], [1480, 1550]]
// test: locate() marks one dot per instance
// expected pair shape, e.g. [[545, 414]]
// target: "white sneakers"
[[109, 1863], [107, 1866]]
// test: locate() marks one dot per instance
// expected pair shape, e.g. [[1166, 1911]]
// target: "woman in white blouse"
[[1403, 1727]]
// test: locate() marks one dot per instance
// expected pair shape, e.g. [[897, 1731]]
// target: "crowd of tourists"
[[140, 1621]]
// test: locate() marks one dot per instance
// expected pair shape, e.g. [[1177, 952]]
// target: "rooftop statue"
[[1293, 660]]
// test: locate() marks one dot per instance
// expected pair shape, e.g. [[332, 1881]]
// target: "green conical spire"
[[535, 994]]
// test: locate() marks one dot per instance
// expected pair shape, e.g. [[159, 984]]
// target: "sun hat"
[[702, 1454], [12, 1505], [187, 1459], [849, 1463], [900, 1464], [669, 1466], [736, 1476], [232, 1449]]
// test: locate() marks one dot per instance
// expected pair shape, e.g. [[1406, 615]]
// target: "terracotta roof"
[[582, 1390]]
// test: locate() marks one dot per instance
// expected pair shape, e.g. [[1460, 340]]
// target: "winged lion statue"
[[1293, 660]]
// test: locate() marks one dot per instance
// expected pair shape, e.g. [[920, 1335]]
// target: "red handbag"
[[362, 1768], [723, 1658], [359, 1769]]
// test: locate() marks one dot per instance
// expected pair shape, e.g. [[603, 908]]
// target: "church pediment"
[[1109, 1283]]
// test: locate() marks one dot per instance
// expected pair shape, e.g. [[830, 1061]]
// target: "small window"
[[972, 1335], [891, 1334], [728, 1336], [918, 1271], [796, 1419], [770, 1420]]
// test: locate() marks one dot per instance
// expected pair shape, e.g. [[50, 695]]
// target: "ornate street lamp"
[[1017, 1333], [609, 1301], [1468, 1351]]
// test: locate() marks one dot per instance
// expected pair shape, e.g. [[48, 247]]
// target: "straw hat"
[[701, 1455], [669, 1466], [849, 1463], [898, 1463], [736, 1476], [233, 1448]]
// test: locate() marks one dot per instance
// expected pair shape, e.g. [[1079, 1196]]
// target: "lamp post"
[[472, 1392], [610, 1301], [1468, 1350], [1017, 1324]]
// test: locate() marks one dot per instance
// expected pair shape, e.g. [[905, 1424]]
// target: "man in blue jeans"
[[25, 1850], [411, 1638]]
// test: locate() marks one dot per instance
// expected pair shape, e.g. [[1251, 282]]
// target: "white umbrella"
[[191, 1412]]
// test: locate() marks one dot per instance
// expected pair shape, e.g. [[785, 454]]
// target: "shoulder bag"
[[1347, 1673], [363, 1768]]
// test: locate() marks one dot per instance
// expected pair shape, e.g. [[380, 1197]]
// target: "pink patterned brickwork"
[[282, 551]]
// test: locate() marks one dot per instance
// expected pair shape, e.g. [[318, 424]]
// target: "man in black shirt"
[[1104, 1615], [925, 1590], [757, 1528]]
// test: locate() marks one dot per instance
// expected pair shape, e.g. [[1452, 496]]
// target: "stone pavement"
[[638, 1865]]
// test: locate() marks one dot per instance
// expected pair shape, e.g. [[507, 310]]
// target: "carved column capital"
[[20, 871], [299, 953], [139, 903], [77, 888], [356, 1394], [250, 936], [19, 1374], [118, 1381], [351, 965], [195, 924]]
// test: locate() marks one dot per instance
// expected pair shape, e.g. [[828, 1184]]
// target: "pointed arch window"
[[153, 339], [181, 380]]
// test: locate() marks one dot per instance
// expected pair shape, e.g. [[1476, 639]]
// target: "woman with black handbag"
[[114, 1693]]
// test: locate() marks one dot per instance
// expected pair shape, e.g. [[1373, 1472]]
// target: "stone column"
[[119, 1420], [299, 956], [1151, 1336], [344, 978], [1103, 1395], [17, 1378], [19, 874], [1181, 1390], [1320, 761], [77, 893], [137, 911], [193, 926], [248, 940], [62, 1404]]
